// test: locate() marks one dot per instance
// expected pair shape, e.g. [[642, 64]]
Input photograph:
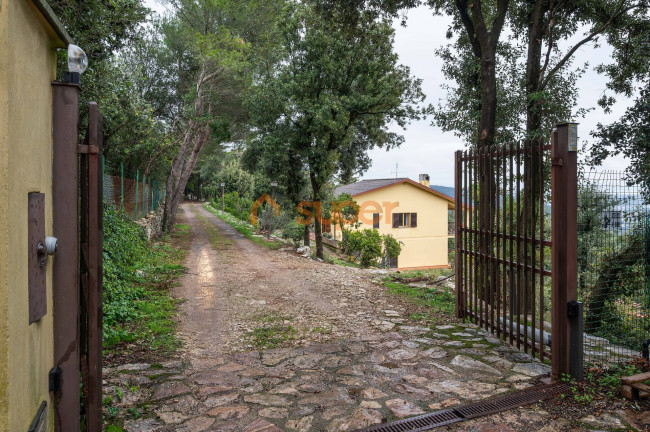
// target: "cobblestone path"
[[356, 359]]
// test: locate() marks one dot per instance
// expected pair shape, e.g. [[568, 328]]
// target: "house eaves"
[[54, 21]]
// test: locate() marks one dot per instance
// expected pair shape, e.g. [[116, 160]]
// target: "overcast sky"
[[427, 150]]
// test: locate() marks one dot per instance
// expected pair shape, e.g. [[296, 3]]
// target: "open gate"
[[76, 379], [510, 279]]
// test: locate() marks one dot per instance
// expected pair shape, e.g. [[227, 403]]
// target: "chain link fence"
[[131, 191], [613, 266]]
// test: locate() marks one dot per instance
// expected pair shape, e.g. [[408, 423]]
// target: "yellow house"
[[415, 214], [30, 34]]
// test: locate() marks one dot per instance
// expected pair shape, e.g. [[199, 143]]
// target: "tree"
[[218, 37], [535, 75], [482, 24], [334, 94], [629, 136]]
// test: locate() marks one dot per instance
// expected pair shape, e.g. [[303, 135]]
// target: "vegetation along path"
[[274, 341]]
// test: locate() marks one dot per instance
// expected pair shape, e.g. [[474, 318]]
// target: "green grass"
[[246, 229], [427, 276], [268, 337], [342, 262], [598, 383], [138, 310], [439, 302]]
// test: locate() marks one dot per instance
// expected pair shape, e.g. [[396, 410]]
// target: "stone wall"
[[152, 223]]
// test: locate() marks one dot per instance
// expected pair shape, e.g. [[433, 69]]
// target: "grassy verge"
[[600, 384], [275, 330], [138, 309], [333, 259], [244, 228], [437, 301]]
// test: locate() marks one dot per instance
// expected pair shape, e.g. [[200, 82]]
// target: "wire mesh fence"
[[613, 266], [131, 192]]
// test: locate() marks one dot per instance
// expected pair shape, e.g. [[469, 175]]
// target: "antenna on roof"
[[396, 172]]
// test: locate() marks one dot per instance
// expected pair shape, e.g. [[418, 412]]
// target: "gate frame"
[[564, 238], [564, 305], [65, 273], [77, 272]]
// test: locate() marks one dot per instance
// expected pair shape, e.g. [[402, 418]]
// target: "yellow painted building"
[[414, 213], [30, 34]]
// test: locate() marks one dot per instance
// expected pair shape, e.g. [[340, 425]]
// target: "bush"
[[136, 278], [366, 244], [293, 231], [240, 207], [392, 248], [369, 246]]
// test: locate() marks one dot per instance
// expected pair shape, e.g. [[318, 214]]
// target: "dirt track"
[[340, 352], [237, 287]]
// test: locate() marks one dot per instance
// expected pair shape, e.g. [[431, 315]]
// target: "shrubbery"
[[238, 206], [293, 231], [369, 246], [136, 276]]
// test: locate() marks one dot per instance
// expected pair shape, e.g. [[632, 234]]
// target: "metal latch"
[[55, 379], [573, 309]]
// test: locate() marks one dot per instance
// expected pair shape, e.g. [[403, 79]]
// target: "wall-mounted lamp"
[[77, 64]]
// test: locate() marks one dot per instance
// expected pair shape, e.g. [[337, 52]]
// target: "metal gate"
[[504, 281], [91, 236], [77, 223]]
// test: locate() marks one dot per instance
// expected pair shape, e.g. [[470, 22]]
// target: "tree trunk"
[[533, 69], [487, 119], [318, 234], [184, 176], [196, 134], [305, 239]]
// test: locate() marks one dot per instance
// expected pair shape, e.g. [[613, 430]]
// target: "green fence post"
[[122, 193], [137, 183], [144, 195]]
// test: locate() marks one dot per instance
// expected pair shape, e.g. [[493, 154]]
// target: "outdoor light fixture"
[[77, 64]]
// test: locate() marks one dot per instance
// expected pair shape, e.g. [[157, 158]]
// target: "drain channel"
[[471, 411]]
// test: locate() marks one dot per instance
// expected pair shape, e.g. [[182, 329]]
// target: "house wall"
[[4, 229], [27, 65], [424, 246]]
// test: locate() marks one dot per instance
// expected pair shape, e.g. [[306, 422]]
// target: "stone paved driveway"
[[336, 386]]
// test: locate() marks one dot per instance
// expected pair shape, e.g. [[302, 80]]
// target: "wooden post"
[[65, 273], [458, 172], [94, 263], [564, 191]]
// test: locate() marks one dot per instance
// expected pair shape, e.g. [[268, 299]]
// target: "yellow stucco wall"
[[27, 61], [4, 230], [424, 246]]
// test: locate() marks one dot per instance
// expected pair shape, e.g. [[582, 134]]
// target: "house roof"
[[365, 186], [445, 190]]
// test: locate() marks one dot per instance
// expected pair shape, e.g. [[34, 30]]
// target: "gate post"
[[458, 172], [65, 273], [564, 191]]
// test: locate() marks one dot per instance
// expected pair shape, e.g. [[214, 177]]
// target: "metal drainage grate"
[[419, 423], [471, 411], [510, 401]]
